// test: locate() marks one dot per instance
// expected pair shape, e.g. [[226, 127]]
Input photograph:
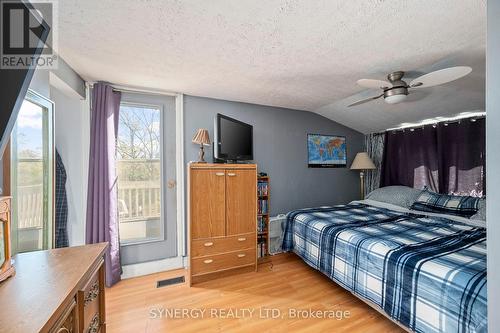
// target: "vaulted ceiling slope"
[[300, 54]]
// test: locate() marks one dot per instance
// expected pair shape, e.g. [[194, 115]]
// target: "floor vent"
[[169, 282]]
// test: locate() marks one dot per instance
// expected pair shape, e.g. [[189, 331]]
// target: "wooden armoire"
[[223, 219]]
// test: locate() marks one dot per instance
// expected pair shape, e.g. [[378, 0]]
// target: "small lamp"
[[362, 162], [203, 139]]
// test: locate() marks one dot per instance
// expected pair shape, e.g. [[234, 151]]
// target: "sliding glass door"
[[32, 175]]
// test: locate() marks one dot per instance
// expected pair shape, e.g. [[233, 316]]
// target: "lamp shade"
[[362, 162], [201, 137]]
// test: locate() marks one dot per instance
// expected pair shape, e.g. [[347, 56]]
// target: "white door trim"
[[179, 149], [86, 124]]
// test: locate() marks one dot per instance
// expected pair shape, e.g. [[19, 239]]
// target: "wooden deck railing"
[[30, 206], [139, 200]]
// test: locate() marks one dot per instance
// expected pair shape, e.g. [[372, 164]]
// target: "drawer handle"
[[219, 174], [208, 261], [241, 255], [242, 239], [92, 295], [231, 174], [207, 244]]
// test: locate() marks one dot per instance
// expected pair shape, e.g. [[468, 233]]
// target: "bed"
[[425, 272]]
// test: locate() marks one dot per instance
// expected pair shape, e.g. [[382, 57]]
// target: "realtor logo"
[[28, 34]]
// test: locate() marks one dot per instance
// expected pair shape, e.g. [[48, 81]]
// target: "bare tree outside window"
[[139, 173]]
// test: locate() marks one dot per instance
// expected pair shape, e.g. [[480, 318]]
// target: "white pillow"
[[402, 196]]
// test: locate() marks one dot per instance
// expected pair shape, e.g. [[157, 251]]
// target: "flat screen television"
[[233, 140], [14, 82]]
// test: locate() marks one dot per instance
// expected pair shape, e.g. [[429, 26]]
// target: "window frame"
[[161, 238], [48, 120]]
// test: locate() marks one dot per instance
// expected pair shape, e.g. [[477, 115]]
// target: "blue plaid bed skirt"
[[427, 273]]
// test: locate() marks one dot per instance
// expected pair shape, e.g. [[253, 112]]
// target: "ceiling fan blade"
[[365, 100], [375, 84], [441, 76]]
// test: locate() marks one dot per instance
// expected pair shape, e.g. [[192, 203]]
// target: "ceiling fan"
[[395, 90]]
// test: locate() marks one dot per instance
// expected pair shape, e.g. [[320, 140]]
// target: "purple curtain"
[[102, 214], [448, 158], [461, 147], [410, 158]]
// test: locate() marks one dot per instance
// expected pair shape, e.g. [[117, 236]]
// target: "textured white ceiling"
[[297, 54]]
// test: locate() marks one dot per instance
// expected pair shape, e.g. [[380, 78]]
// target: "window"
[[139, 170], [32, 173]]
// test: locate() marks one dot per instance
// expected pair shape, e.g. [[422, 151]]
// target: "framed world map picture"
[[326, 151]]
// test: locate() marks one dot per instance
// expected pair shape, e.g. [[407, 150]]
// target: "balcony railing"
[[138, 200], [30, 206]]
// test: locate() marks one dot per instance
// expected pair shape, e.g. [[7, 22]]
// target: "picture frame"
[[326, 151]]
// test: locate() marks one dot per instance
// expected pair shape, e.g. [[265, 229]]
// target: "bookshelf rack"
[[263, 210]]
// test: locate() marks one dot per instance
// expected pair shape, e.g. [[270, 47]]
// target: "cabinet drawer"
[[94, 325], [67, 322], [90, 300], [224, 261], [209, 246]]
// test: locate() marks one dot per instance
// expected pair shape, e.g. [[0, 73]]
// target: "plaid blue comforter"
[[427, 273]]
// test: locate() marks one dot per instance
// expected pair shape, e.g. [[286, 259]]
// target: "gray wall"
[[67, 74], [280, 149], [493, 162], [40, 82]]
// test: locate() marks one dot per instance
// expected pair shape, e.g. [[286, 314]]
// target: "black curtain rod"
[[451, 121]]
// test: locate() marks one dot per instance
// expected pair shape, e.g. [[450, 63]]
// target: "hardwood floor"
[[284, 283]]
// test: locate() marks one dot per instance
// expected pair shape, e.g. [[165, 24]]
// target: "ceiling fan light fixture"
[[395, 89], [394, 99]]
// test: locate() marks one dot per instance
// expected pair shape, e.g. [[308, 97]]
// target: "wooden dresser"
[[223, 219], [59, 291]]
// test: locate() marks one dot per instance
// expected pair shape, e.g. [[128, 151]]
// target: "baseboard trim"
[[151, 267]]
